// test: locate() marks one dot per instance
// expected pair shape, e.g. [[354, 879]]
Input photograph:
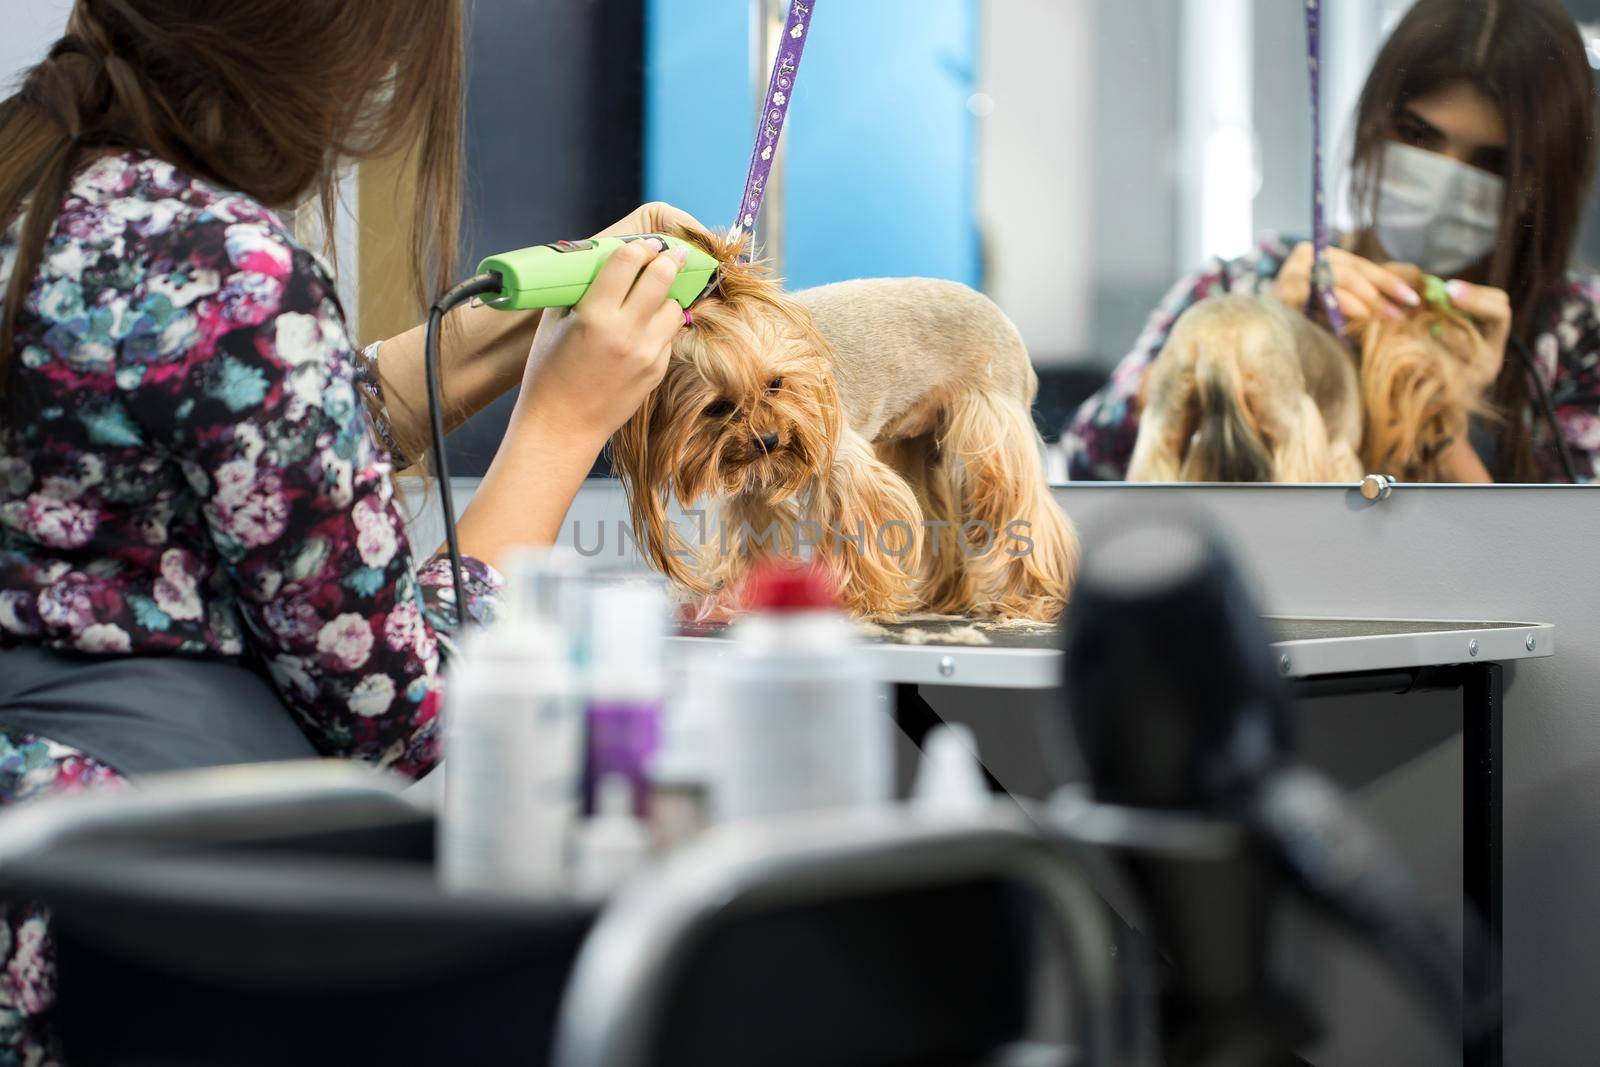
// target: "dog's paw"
[[714, 609]]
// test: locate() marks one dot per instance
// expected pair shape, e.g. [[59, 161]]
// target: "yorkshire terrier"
[[884, 425], [1248, 390]]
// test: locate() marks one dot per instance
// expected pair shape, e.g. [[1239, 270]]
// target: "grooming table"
[[1314, 652], [1321, 657]]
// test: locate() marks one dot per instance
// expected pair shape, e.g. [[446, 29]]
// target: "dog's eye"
[[774, 385], [719, 409]]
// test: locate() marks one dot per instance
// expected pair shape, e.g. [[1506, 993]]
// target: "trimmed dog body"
[[1247, 390], [885, 424]]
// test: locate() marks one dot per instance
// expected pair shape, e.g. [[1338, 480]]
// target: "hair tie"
[[688, 317]]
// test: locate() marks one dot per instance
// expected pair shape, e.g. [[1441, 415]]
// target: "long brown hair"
[[266, 97], [1526, 56]]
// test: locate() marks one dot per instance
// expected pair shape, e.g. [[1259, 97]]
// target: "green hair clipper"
[[557, 275]]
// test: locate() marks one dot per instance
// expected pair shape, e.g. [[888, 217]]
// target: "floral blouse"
[[1099, 439], [186, 466]]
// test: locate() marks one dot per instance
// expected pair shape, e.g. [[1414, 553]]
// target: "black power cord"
[[1547, 407], [480, 285]]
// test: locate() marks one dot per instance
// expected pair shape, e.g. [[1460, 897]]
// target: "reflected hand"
[[1365, 290], [1491, 308]]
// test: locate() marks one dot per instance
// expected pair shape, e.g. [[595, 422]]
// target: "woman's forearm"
[[1460, 463], [482, 356], [523, 498]]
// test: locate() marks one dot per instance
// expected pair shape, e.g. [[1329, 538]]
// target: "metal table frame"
[[1393, 656], [1442, 656]]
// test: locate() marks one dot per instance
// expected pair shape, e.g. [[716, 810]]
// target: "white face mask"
[[1435, 212]]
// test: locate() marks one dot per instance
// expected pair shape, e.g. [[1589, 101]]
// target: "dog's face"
[[748, 404], [748, 407]]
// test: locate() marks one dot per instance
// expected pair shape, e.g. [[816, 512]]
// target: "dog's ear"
[[829, 424], [646, 473]]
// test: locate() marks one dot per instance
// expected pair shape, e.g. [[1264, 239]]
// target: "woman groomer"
[[193, 491], [1473, 155]]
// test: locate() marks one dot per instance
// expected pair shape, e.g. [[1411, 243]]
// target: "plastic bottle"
[[513, 753], [680, 771], [802, 724], [613, 844], [949, 779], [627, 634]]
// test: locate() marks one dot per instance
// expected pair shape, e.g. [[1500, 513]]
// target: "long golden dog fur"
[[883, 425], [1249, 390]]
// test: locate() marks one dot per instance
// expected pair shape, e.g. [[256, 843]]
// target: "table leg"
[[1484, 777], [916, 719], [912, 714]]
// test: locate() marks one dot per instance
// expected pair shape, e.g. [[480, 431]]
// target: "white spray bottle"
[[513, 750], [801, 722]]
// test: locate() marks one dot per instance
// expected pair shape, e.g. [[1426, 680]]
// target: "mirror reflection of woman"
[[1473, 156]]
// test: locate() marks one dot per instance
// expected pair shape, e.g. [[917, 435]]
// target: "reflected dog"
[[1247, 390], [885, 424]]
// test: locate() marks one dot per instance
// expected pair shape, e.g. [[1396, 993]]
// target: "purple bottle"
[[627, 632]]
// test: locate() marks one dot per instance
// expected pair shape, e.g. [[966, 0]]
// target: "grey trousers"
[[147, 714]]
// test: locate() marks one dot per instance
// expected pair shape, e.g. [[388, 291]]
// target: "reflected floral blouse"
[[1099, 440], [186, 466]]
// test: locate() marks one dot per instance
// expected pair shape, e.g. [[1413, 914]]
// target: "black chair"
[[873, 939], [273, 915], [290, 915]]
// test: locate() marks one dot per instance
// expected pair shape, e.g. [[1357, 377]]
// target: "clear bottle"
[[513, 752], [614, 843], [801, 722], [680, 771]]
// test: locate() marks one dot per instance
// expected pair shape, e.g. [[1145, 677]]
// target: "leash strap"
[[780, 89], [1322, 272]]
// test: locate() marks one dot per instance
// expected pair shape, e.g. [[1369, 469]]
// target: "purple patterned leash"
[[776, 108], [1321, 271]]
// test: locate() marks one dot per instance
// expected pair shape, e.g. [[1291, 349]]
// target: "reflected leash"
[[1322, 272]]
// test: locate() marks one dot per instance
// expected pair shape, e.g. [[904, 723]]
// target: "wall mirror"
[[1074, 159]]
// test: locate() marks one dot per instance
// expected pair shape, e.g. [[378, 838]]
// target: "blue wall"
[[881, 147]]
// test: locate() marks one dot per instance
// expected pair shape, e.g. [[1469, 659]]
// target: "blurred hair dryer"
[[1183, 724]]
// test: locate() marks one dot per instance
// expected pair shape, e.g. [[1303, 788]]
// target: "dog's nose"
[[768, 441]]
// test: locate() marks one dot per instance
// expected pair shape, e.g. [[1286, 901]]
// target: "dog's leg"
[[947, 585], [1303, 449], [944, 589], [867, 527], [1020, 552], [1158, 450]]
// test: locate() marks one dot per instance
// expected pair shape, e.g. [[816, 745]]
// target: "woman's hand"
[[590, 369], [1461, 463], [485, 351], [1491, 308], [1365, 290]]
